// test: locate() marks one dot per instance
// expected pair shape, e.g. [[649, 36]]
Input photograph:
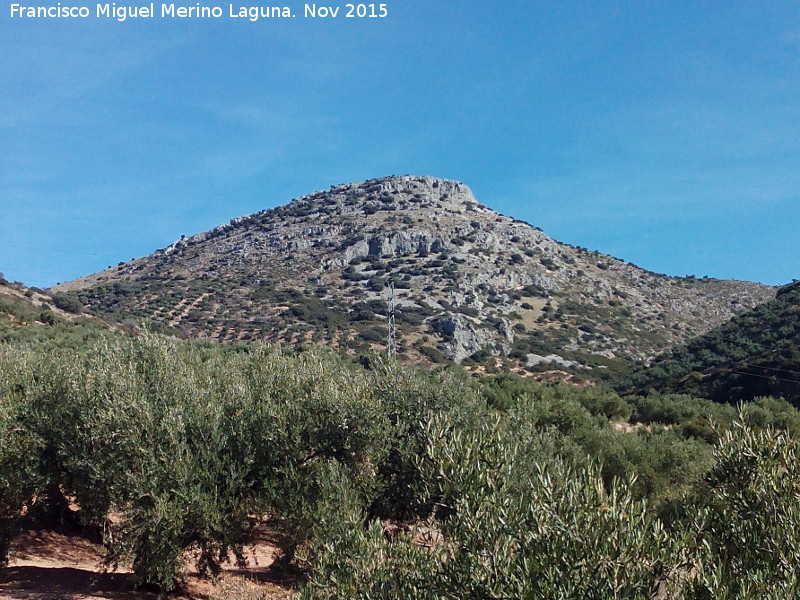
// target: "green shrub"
[[68, 301], [432, 354], [507, 525]]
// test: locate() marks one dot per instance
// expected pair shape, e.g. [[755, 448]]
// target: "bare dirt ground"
[[45, 565]]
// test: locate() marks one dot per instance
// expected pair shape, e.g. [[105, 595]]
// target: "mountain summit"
[[469, 283]]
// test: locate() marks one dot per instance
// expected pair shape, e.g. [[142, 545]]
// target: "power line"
[[50, 250], [27, 271], [769, 350], [742, 342], [774, 369], [765, 376], [766, 354], [36, 282], [746, 364]]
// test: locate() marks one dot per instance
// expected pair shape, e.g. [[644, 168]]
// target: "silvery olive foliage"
[[747, 521], [188, 444], [508, 522], [19, 478], [384, 481]]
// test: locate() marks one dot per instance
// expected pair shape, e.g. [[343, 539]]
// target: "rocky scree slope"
[[470, 284]]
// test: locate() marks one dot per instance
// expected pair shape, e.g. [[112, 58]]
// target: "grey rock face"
[[551, 359], [406, 243], [465, 339]]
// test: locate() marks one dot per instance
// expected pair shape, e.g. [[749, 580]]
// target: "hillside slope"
[[469, 283], [755, 354], [32, 316]]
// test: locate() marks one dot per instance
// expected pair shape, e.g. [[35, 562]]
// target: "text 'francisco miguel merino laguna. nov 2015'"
[[152, 10]]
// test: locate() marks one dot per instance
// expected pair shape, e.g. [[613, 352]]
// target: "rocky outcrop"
[[464, 338], [470, 281], [533, 360]]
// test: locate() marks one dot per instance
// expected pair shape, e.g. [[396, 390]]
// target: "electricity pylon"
[[391, 338]]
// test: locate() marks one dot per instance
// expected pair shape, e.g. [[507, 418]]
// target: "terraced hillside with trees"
[[470, 284]]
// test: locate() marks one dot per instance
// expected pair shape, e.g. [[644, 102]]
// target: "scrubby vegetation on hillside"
[[471, 285], [389, 482], [33, 317], [754, 354]]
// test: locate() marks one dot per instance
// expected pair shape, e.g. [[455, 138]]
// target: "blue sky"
[[664, 133]]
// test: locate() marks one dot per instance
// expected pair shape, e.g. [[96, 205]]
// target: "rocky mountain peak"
[[395, 193], [470, 284], [424, 190]]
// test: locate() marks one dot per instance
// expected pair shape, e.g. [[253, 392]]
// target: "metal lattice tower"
[[391, 338]]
